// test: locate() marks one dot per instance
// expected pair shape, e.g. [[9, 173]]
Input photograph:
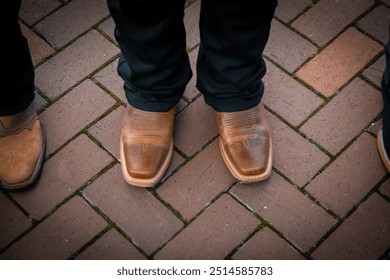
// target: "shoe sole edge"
[[244, 178]]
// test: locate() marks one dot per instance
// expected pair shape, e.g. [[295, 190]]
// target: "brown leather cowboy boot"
[[146, 146], [245, 144], [22, 149]]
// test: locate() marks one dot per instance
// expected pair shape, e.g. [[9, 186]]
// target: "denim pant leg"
[[17, 90], [386, 98], [230, 65], [154, 63]]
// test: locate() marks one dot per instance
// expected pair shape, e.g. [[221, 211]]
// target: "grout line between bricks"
[[112, 225], [55, 208], [386, 255], [89, 243], [244, 241], [265, 223], [185, 221], [303, 191], [322, 149], [379, 185], [341, 220], [187, 159], [83, 131]]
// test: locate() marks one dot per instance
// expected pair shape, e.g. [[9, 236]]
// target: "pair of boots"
[[146, 146]]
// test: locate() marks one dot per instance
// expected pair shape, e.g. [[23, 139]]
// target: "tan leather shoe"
[[382, 149], [146, 146], [245, 144], [22, 149]]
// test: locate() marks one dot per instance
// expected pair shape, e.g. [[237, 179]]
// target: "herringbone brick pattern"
[[328, 196]]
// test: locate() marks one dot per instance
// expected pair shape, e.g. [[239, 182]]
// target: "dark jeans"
[[17, 90], [154, 63], [386, 98]]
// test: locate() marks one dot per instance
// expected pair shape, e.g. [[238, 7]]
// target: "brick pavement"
[[328, 196]]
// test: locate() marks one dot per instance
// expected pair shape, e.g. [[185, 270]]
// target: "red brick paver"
[[345, 116], [296, 49], [289, 9], [62, 175], [77, 109], [61, 235], [108, 27], [385, 188], [39, 49], [65, 24], [287, 97], [135, 210], [111, 246], [327, 18], [295, 156], [375, 72], [350, 177], [328, 196], [214, 234], [108, 131], [365, 235], [374, 127], [267, 245], [195, 185], [34, 10], [110, 79], [12, 221], [191, 23], [298, 218], [72, 64], [195, 126], [334, 66], [376, 23]]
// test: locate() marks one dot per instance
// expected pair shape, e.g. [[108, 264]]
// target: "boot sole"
[[382, 150], [145, 183]]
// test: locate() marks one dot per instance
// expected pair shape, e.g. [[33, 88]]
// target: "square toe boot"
[[245, 143], [22, 149], [146, 145]]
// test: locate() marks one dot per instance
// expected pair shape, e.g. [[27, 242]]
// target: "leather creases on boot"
[[22, 149], [146, 146], [245, 143]]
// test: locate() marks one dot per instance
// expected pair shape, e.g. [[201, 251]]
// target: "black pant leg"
[[230, 65], [17, 90], [386, 98], [154, 63]]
